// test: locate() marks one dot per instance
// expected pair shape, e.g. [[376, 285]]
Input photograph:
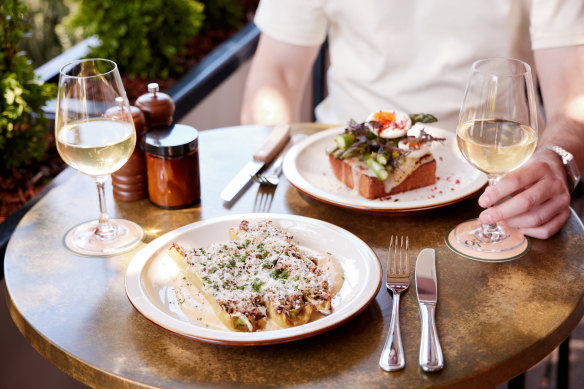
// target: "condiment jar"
[[158, 107], [172, 163], [129, 182]]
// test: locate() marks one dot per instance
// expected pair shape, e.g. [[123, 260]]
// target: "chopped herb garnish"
[[256, 285], [279, 274]]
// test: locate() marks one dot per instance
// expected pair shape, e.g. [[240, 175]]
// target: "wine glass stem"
[[492, 231], [104, 227]]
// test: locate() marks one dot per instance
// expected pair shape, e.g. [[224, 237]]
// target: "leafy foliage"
[[223, 14], [142, 37], [47, 37], [23, 127]]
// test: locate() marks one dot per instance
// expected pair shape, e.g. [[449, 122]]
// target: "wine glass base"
[[472, 235], [82, 239], [464, 241]]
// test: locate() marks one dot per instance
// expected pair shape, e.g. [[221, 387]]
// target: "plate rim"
[[294, 176], [133, 286]]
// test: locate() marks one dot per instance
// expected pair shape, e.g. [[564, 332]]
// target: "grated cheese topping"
[[263, 264]]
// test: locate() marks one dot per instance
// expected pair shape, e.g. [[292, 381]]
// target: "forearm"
[[267, 98], [561, 78], [274, 88]]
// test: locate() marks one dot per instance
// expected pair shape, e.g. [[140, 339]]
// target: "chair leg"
[[563, 378], [517, 382], [319, 78]]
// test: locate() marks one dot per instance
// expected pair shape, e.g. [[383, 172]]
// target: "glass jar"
[[172, 165]]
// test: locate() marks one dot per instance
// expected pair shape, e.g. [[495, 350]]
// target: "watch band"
[[570, 165]]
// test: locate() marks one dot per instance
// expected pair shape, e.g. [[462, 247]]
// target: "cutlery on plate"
[[397, 281], [427, 290], [264, 155], [272, 178]]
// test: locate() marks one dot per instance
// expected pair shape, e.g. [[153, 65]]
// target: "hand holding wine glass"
[[496, 133], [95, 135]]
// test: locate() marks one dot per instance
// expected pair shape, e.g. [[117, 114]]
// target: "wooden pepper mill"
[[130, 182], [158, 107]]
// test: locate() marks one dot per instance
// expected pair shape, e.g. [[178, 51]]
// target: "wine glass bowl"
[[496, 146], [496, 133], [95, 135]]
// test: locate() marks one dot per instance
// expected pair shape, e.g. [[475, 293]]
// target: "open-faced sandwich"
[[387, 154], [261, 274]]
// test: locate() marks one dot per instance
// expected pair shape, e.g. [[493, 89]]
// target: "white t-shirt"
[[415, 55]]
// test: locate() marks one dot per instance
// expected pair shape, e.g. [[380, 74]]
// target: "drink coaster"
[[467, 252]]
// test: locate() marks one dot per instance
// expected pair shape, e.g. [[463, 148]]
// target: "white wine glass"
[[496, 133], [95, 135]]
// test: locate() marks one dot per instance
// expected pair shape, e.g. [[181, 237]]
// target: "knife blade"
[[430, 359], [266, 153]]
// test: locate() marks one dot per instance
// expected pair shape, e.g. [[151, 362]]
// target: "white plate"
[[307, 168], [151, 273]]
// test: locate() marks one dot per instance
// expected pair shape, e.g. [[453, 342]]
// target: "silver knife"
[[427, 290], [266, 153]]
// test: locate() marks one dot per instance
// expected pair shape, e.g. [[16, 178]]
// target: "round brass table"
[[494, 320]]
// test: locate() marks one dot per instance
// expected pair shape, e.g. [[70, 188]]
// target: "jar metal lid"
[[171, 141]]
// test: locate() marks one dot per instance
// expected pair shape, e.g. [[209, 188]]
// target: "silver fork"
[[273, 179], [397, 281], [263, 200]]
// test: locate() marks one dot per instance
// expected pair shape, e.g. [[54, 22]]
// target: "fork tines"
[[263, 180], [397, 266]]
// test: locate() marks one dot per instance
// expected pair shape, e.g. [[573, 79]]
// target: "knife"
[[426, 288], [266, 153]]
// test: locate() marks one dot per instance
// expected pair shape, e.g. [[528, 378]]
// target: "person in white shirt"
[[415, 56]]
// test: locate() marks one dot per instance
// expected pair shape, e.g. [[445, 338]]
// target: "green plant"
[[222, 14], [23, 127], [47, 37], [143, 37]]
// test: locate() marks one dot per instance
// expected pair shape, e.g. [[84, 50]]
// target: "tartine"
[[385, 155]]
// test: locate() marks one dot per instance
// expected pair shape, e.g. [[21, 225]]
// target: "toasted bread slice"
[[372, 187]]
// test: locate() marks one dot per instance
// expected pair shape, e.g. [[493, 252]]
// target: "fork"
[[263, 200], [273, 178], [397, 281]]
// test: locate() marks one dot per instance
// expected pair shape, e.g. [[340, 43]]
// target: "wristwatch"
[[572, 171]]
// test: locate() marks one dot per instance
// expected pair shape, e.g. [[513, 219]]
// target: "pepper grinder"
[[158, 107], [130, 181]]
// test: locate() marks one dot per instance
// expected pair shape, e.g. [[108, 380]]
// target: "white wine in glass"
[[95, 135], [496, 133]]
